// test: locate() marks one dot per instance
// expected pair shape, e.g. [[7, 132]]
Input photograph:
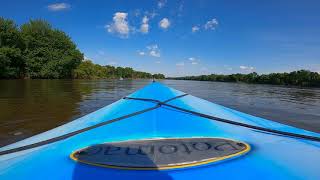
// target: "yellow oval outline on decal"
[[207, 161]]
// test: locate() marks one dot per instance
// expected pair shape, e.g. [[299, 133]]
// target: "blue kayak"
[[162, 133]]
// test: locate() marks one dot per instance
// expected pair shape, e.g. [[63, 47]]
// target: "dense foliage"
[[295, 78], [12, 47], [36, 50]]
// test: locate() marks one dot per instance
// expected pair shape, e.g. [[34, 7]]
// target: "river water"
[[28, 107]]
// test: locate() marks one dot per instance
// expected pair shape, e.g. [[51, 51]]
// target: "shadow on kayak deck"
[[116, 156]]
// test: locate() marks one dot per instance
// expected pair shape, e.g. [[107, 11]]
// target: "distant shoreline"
[[301, 78]]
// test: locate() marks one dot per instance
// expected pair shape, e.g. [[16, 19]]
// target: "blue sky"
[[185, 37]]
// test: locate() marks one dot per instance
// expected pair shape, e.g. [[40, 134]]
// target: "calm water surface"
[[28, 107]]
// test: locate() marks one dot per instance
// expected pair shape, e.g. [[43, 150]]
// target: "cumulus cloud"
[[195, 29], [154, 50], [164, 23], [120, 25], [144, 28], [151, 50], [145, 20], [154, 53], [246, 68], [211, 25], [141, 53], [193, 60], [161, 3], [58, 6]]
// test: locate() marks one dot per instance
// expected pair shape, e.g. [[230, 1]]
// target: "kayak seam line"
[[68, 135]]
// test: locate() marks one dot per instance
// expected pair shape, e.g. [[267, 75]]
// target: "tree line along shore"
[[35, 50], [303, 78]]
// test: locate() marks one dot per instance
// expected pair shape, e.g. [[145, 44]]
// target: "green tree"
[[12, 64], [49, 53], [86, 70]]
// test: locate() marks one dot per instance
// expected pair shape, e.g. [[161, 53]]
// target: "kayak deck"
[[271, 156]]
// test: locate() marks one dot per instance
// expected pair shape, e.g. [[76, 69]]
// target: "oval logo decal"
[[160, 153]]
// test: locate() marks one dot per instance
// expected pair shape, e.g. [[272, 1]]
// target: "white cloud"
[[58, 6], [211, 25], [195, 29], [141, 53], [145, 20], [154, 53], [164, 23], [158, 62], [119, 25], [180, 64], [161, 3], [193, 60], [154, 50], [246, 68], [144, 28]]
